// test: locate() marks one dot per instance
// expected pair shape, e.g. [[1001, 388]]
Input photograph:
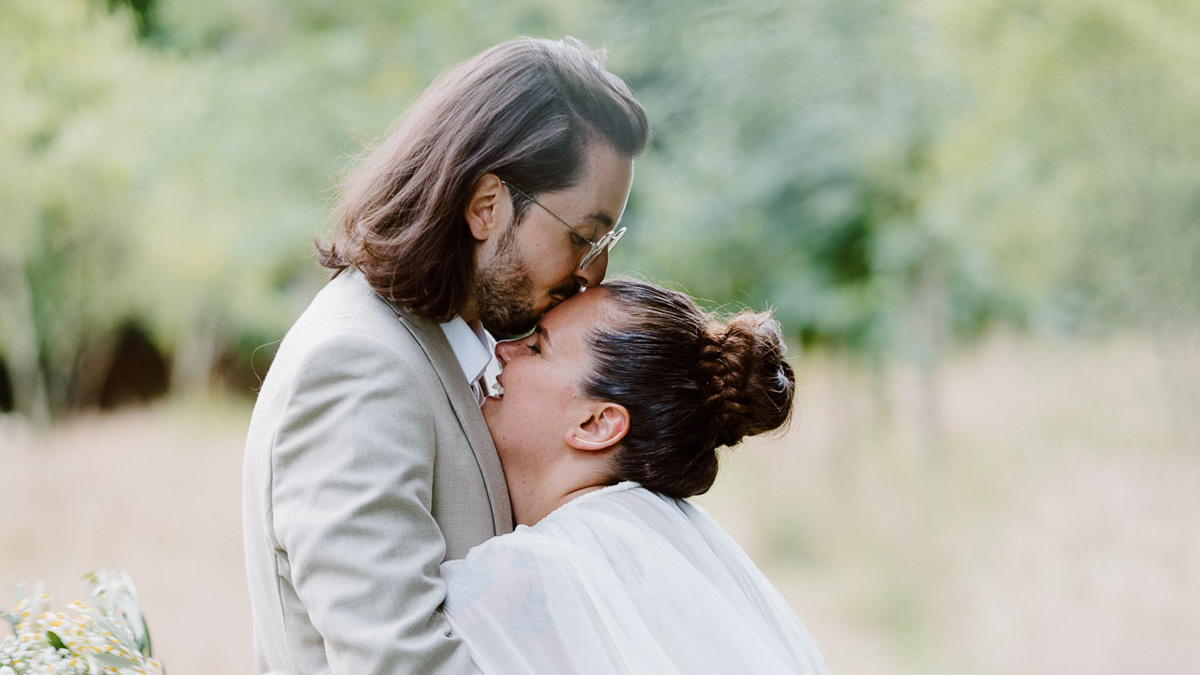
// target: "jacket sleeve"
[[352, 480]]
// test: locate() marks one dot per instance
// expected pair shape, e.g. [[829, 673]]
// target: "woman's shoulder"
[[551, 536], [630, 501], [618, 506], [620, 492], [683, 589], [625, 516]]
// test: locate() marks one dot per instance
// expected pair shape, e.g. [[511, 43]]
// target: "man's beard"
[[503, 291]]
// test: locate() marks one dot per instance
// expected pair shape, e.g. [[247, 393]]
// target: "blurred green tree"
[[891, 176], [1077, 163], [70, 98], [1078, 156], [790, 163]]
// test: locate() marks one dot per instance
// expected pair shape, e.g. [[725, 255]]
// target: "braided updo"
[[691, 383]]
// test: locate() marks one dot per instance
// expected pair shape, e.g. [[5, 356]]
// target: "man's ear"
[[603, 429], [487, 208]]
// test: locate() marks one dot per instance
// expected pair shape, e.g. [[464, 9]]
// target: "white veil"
[[623, 580]]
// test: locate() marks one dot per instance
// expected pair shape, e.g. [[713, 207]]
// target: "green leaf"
[[55, 641]]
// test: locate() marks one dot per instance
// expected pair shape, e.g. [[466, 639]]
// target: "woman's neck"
[[536, 494]]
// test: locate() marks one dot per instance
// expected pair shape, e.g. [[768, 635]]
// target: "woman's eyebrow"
[[543, 335]]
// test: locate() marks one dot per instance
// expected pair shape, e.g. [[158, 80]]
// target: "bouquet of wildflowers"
[[107, 636]]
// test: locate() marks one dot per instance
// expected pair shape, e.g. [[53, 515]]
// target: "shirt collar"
[[473, 346]]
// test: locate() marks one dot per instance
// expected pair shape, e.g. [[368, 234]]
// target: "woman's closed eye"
[[533, 342]]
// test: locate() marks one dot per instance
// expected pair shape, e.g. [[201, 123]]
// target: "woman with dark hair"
[[611, 415]]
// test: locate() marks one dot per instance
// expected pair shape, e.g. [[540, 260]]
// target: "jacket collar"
[[437, 349]]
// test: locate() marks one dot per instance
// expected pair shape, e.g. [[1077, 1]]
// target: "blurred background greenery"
[[893, 177], [956, 209]]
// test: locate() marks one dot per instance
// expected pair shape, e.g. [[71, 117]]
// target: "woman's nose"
[[504, 350]]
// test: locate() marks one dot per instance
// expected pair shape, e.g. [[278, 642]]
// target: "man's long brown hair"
[[524, 110]]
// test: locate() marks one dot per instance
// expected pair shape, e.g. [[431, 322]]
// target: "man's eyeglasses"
[[605, 244]]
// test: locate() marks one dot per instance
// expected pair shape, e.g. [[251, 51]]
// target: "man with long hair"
[[497, 195]]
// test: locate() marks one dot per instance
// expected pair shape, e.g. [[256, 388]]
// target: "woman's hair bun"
[[747, 383], [690, 382]]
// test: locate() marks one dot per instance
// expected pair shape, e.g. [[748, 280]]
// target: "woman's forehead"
[[579, 314]]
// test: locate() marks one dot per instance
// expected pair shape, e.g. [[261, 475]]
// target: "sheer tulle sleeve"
[[623, 581]]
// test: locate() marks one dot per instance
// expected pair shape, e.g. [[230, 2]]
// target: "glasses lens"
[[605, 244], [615, 237]]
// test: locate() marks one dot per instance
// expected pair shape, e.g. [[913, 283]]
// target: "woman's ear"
[[486, 208], [603, 429]]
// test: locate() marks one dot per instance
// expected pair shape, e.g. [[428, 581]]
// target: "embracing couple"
[[388, 462]]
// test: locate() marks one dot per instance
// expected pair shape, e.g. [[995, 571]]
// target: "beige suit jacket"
[[367, 464]]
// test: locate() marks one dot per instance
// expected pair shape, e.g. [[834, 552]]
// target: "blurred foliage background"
[[894, 177], [979, 221]]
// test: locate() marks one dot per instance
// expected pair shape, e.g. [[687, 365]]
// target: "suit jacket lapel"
[[437, 349]]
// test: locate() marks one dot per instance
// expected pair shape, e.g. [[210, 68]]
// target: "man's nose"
[[593, 274]]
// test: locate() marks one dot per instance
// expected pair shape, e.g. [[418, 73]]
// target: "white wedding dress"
[[623, 580]]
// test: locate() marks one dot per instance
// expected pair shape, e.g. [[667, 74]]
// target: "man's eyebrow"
[[602, 218], [544, 335]]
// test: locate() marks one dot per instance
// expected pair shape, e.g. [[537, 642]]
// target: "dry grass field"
[[1052, 528]]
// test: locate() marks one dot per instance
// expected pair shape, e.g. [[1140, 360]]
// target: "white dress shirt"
[[475, 350]]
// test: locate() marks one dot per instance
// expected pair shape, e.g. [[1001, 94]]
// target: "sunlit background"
[[978, 221]]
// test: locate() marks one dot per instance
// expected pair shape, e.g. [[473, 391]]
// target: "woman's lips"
[[497, 390]]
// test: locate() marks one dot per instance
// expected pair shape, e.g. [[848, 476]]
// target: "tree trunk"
[[18, 333], [1178, 350], [933, 316], [191, 369]]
